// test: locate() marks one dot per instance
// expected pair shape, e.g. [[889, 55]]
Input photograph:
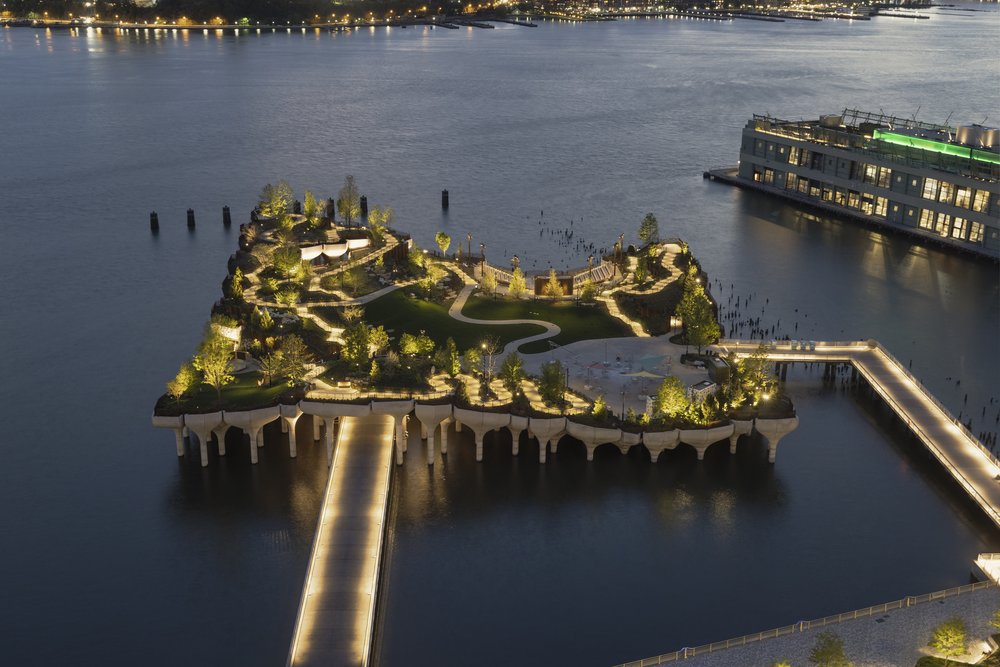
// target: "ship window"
[[979, 200], [930, 188], [943, 224], [926, 219], [962, 197], [880, 205], [946, 193], [958, 228], [975, 233]]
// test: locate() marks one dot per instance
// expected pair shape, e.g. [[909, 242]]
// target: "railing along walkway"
[[334, 624], [973, 466]]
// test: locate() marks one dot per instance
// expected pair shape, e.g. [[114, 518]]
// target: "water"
[[117, 552]]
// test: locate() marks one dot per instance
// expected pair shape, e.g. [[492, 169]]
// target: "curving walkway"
[[455, 311]]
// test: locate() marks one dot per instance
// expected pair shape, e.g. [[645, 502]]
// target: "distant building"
[[938, 182]]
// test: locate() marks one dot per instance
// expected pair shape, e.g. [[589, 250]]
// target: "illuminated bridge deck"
[[961, 454], [334, 624]]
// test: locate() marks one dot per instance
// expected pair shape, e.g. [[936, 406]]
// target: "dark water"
[[116, 552]]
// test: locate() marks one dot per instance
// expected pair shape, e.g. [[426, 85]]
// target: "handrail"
[[802, 626]]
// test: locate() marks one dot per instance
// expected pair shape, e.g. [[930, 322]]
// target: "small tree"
[[671, 398], [453, 366], [287, 260], [600, 407], [488, 283], [949, 638], [352, 313], [275, 199], [641, 270], [828, 651], [378, 339], [473, 359], [416, 346], [490, 347], [264, 319], [236, 286], [755, 374], [379, 219], [512, 372], [356, 350], [271, 366], [695, 310], [311, 209], [517, 288], [552, 286], [213, 360], [649, 229], [349, 201], [588, 292], [552, 383], [295, 357], [287, 296], [186, 378], [443, 241], [353, 280]]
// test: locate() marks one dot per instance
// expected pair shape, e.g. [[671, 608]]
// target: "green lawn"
[[577, 322], [242, 394], [401, 314]]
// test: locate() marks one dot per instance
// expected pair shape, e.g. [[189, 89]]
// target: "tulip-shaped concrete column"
[[316, 424], [657, 441], [591, 436], [289, 416], [548, 430], [399, 410], [202, 426], [702, 438], [628, 440], [431, 416], [740, 427], [220, 436], [177, 425], [328, 412], [773, 431], [444, 435], [252, 422], [482, 423], [517, 426]]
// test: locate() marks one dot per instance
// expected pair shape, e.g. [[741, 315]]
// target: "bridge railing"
[[954, 420], [802, 626]]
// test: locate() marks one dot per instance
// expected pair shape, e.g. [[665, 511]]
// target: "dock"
[[973, 466], [337, 610]]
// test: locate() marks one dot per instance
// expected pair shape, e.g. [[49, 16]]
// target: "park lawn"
[[241, 394], [577, 322], [401, 314]]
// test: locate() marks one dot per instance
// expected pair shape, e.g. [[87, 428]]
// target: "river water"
[[116, 552]]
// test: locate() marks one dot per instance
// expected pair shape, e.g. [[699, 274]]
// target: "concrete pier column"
[[406, 432], [399, 411], [252, 423], [592, 437], [773, 430], [430, 447], [543, 445], [202, 426], [220, 437], [256, 442], [316, 424], [423, 430], [479, 446], [328, 433], [547, 430], [657, 441], [481, 423], [702, 438], [289, 418], [458, 425], [516, 427], [179, 440], [554, 445], [740, 427], [444, 436], [431, 416], [187, 432]]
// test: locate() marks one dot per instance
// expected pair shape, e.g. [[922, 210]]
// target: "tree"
[[416, 346], [552, 286], [310, 209], [356, 345], [649, 229], [517, 288], [264, 319], [236, 286], [641, 270], [512, 372], [453, 366], [378, 339], [275, 199], [473, 359], [349, 201], [755, 374], [186, 378], [671, 398], [588, 292], [695, 311], [353, 280], [379, 219], [600, 407], [949, 638], [287, 260], [488, 283], [295, 357], [552, 383], [271, 365], [213, 360], [828, 651], [490, 347], [443, 241], [287, 296]]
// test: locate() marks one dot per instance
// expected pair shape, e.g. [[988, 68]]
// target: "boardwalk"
[[334, 623], [961, 454]]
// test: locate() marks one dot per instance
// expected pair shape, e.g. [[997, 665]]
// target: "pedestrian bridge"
[[336, 614], [973, 466]]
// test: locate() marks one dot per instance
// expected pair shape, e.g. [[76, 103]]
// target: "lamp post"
[[590, 268], [623, 403], [469, 237]]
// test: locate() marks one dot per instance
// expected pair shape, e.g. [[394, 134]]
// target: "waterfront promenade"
[[966, 460], [334, 624]]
